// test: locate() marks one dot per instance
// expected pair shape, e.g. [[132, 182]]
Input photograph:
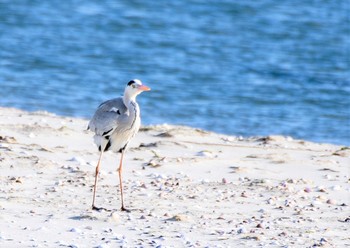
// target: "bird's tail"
[[100, 142]]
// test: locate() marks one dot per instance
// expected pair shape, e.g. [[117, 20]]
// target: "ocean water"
[[240, 67]]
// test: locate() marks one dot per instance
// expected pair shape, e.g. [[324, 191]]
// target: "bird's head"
[[135, 87]]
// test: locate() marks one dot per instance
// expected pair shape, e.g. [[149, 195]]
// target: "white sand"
[[186, 188]]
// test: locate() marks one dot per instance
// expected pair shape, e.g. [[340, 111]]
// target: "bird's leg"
[[120, 180], [96, 176]]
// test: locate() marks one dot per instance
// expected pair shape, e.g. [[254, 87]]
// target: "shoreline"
[[187, 187], [194, 127]]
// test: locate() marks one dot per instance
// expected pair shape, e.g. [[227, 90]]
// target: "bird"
[[115, 123]]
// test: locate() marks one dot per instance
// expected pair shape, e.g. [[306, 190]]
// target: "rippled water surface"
[[237, 67]]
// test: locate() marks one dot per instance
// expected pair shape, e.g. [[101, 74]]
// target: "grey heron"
[[114, 123]]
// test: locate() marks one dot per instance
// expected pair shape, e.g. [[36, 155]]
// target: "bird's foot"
[[125, 209], [108, 210], [100, 209]]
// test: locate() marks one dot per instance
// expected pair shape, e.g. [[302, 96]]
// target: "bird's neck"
[[130, 104], [127, 99]]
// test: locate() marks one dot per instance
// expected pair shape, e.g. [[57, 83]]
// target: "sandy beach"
[[185, 188]]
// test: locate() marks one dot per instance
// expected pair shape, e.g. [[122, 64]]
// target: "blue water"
[[241, 67]]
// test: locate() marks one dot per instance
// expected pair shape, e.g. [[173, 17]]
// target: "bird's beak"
[[144, 88]]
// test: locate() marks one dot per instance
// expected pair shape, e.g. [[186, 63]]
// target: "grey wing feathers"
[[105, 119]]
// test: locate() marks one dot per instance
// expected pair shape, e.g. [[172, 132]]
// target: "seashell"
[[76, 230], [331, 201], [336, 188], [241, 230], [307, 190], [79, 160]]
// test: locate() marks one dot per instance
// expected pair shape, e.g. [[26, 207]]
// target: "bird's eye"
[[131, 82], [133, 85]]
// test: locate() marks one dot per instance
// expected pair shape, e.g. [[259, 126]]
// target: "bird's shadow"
[[126, 210], [101, 210], [83, 217]]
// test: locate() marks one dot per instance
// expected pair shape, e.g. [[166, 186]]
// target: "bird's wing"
[[106, 117]]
